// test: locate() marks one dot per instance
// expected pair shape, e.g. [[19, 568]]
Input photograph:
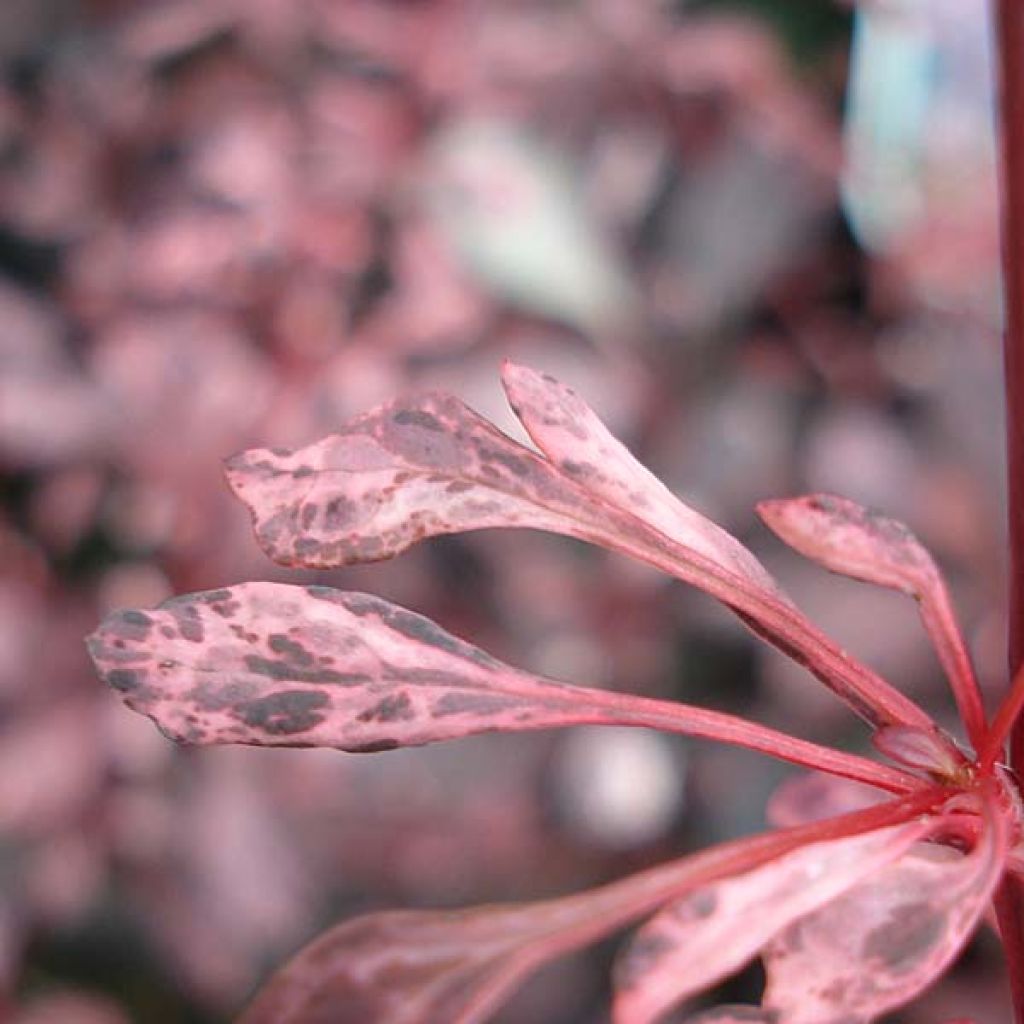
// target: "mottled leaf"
[[282, 665], [428, 466], [887, 938], [570, 434], [854, 541], [455, 967], [695, 942]]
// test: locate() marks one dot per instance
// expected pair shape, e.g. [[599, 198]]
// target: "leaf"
[[887, 938], [455, 967], [568, 431], [695, 942], [404, 967], [429, 466], [852, 540], [281, 665], [275, 664]]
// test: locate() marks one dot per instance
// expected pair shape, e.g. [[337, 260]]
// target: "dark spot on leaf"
[[283, 714], [697, 906], [281, 453], [305, 546], [417, 418], [373, 747], [124, 679], [192, 630], [473, 704], [645, 949], [416, 627], [362, 604], [212, 596], [518, 464], [283, 671], [397, 707], [909, 933], [281, 644], [307, 515], [338, 512], [210, 696], [129, 624], [302, 472]]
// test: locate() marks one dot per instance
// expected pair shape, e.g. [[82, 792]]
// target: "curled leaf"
[[698, 941], [887, 938]]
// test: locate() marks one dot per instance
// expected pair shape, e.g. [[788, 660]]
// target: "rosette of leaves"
[[852, 915]]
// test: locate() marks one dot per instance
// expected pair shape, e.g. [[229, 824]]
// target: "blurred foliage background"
[[758, 235]]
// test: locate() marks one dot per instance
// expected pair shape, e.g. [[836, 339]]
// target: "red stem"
[[1010, 50]]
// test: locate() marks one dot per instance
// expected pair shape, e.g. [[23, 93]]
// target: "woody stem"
[[1010, 48]]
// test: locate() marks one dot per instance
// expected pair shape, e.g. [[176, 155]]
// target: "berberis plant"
[[852, 915]]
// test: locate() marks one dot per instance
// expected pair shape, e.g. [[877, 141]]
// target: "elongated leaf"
[[568, 431], [887, 938], [281, 665], [455, 967], [854, 541], [430, 466], [407, 967], [275, 664], [695, 942]]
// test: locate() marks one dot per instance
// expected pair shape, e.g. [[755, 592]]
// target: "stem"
[[1010, 49], [1006, 716], [611, 708]]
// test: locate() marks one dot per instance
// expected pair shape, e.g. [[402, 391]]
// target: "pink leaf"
[[273, 664], [854, 541], [432, 466], [696, 942], [454, 967], [568, 431], [887, 938], [812, 796]]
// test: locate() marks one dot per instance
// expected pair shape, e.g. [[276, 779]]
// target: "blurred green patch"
[[809, 28]]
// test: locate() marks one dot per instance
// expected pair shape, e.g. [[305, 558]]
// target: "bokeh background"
[[758, 236]]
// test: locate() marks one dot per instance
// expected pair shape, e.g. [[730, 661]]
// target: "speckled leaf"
[[274, 664], [407, 967], [456, 967], [887, 938], [852, 540], [570, 434], [428, 466], [697, 941], [281, 665]]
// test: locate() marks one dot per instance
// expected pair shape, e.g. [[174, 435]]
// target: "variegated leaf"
[[852, 540], [430, 466], [455, 967], [696, 942], [886, 939], [274, 664], [570, 434]]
